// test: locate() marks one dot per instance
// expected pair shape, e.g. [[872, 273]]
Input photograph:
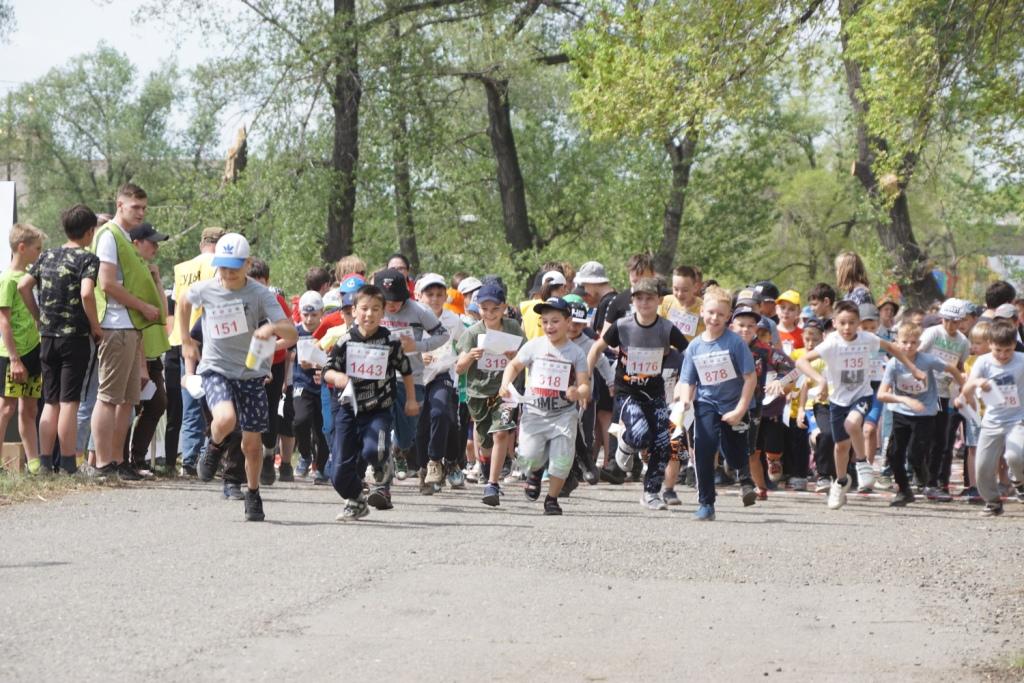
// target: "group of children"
[[381, 376]]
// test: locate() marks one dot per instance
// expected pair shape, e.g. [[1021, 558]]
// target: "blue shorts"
[[247, 395], [837, 416]]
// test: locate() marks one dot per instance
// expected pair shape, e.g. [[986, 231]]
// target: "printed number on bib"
[[715, 368], [644, 361], [226, 320], [491, 362], [684, 322], [1010, 397], [363, 361], [909, 384], [876, 370], [548, 374]]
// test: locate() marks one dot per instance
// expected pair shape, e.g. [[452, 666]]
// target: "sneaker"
[[506, 468], [492, 495], [1019, 493], [671, 497], [624, 460], [971, 494], [652, 501], [705, 513], [591, 475], [353, 510], [380, 498], [902, 499], [209, 460], [401, 465], [302, 469], [189, 471], [435, 474], [837, 494], [385, 472], [883, 482], [474, 474], [456, 478], [570, 485], [253, 506], [775, 470], [690, 477], [513, 473], [798, 483], [285, 472], [748, 494], [865, 477], [822, 485], [126, 473], [143, 471], [426, 488], [613, 475], [267, 471], [321, 479], [992, 510], [551, 506], [233, 491], [532, 489], [937, 495]]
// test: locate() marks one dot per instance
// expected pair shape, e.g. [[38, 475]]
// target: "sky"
[[50, 32]]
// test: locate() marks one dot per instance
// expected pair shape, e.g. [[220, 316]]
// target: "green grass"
[[19, 488]]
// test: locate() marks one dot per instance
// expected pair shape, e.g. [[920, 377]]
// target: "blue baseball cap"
[[490, 292], [555, 303], [351, 283]]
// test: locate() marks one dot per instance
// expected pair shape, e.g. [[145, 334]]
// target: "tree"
[[6, 19]]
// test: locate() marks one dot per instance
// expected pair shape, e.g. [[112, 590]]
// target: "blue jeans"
[[193, 426], [711, 435], [87, 404], [437, 418], [405, 426], [359, 440]]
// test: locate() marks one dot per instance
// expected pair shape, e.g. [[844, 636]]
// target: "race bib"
[[714, 368], [226, 320], [876, 369], [491, 362], [1011, 399], [363, 361], [669, 378], [852, 368], [787, 347], [644, 361], [685, 322], [548, 374], [908, 384], [947, 357]]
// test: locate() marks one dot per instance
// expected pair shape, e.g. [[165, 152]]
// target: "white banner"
[[8, 214]]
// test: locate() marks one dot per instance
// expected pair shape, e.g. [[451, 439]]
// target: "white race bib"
[[669, 378], [363, 361], [787, 347], [644, 361], [685, 322], [1011, 399], [226, 320], [548, 374], [947, 357], [909, 384], [876, 370], [714, 368]]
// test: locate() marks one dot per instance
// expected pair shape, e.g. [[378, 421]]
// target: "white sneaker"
[[823, 484], [474, 473], [865, 477], [837, 494], [652, 501]]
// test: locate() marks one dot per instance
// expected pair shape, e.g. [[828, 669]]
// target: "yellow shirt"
[[186, 274], [531, 320], [674, 311], [332, 335]]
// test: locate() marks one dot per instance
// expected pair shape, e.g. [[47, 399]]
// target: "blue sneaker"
[[302, 468], [492, 495], [705, 513]]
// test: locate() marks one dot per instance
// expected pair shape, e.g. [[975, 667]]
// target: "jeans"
[[437, 416], [711, 435], [193, 427], [404, 425], [359, 440], [87, 404], [309, 427]]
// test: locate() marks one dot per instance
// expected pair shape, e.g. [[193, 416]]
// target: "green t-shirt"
[[26, 336], [481, 384]]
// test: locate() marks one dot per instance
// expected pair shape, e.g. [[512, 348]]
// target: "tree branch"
[[395, 12]]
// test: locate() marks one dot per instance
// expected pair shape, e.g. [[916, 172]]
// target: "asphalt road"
[[165, 581]]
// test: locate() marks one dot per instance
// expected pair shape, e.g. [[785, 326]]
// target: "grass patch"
[[19, 488]]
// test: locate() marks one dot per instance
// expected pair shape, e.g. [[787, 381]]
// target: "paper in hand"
[[969, 413], [348, 395], [992, 396]]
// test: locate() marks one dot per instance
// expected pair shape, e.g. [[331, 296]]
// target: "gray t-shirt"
[[553, 369], [905, 384], [229, 319], [1007, 379], [418, 321]]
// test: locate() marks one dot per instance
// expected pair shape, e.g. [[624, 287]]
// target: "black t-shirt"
[[633, 339], [601, 310], [620, 307]]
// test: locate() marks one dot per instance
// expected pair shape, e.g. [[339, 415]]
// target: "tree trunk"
[[510, 178], [681, 157], [404, 224], [345, 98], [897, 235]]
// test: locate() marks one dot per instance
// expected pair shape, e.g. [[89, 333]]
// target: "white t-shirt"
[[116, 316], [848, 365]]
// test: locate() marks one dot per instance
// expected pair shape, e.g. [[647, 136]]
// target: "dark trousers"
[[359, 440], [796, 455], [459, 436], [911, 439], [145, 425], [274, 389], [825, 446], [645, 427], [172, 384], [711, 435], [309, 428], [437, 416]]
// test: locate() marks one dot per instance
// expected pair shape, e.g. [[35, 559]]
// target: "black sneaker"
[[380, 498], [189, 471], [320, 479], [254, 506], [690, 477], [901, 499], [285, 472], [233, 491], [992, 510], [532, 489], [749, 495], [591, 475], [551, 506], [109, 472], [209, 460], [126, 473], [613, 475], [267, 471]]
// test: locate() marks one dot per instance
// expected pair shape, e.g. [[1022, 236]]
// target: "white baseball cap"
[[469, 285], [553, 277], [428, 280], [231, 252], [311, 302]]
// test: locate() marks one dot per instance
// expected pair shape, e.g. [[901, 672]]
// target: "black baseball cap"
[[767, 290], [145, 231], [555, 303], [392, 282]]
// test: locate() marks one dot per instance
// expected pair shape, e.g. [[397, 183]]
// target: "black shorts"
[[605, 402], [32, 387], [771, 435], [65, 365]]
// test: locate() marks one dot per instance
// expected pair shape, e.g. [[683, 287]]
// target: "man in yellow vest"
[[127, 302], [182, 409]]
